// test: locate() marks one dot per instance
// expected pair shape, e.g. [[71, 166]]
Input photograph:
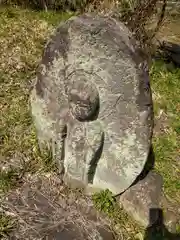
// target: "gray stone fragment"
[[92, 104], [140, 199]]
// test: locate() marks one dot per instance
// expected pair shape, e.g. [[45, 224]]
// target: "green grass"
[[105, 202], [23, 34], [46, 160], [8, 179], [165, 82], [22, 37], [178, 228], [6, 225], [122, 223]]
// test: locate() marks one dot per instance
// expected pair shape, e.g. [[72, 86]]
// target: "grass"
[[104, 202], [22, 37], [6, 224], [170, 30], [122, 224], [166, 89], [46, 161], [8, 179]]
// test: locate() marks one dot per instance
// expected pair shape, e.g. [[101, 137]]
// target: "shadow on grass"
[[169, 52], [157, 229]]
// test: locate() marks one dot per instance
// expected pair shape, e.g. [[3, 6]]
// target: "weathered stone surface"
[[140, 199], [92, 104]]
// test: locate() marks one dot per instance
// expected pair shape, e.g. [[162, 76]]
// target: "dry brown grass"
[[136, 14], [170, 30], [43, 206], [21, 40]]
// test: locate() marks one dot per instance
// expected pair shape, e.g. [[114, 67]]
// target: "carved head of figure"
[[83, 99]]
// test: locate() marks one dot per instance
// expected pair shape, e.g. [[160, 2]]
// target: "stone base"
[[146, 203], [88, 190]]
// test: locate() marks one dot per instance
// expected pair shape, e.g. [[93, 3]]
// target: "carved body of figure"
[[92, 101]]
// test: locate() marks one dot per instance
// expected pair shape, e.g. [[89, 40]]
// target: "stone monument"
[[91, 103]]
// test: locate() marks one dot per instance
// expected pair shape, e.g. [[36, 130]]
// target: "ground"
[[23, 34]]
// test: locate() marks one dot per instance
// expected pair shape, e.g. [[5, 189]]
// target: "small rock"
[[140, 199]]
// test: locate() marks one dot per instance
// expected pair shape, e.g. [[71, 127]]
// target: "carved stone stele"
[[92, 104]]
